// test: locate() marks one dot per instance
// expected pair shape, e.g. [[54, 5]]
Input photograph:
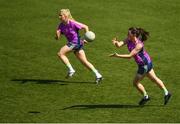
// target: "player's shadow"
[[49, 81], [102, 106]]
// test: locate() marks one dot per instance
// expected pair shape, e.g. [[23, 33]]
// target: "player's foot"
[[166, 98], [144, 100], [98, 80], [70, 74]]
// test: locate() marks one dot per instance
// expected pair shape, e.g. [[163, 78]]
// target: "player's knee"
[[60, 54]]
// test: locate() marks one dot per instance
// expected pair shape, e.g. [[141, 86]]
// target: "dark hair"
[[139, 33]]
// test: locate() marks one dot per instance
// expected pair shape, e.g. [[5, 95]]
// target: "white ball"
[[89, 36]]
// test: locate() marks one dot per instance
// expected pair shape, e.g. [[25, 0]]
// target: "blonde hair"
[[67, 13]]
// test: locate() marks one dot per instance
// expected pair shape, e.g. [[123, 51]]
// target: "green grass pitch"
[[33, 87]]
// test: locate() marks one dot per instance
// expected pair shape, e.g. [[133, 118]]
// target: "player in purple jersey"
[[135, 43], [70, 29]]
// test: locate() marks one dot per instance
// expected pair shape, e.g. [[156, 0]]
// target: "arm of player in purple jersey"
[[131, 54], [58, 34], [83, 26]]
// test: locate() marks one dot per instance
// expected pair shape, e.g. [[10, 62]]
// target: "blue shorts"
[[75, 47], [143, 69]]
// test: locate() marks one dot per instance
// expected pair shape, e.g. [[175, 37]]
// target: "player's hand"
[[113, 55]]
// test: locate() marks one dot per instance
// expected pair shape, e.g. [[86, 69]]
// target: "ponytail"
[[143, 35], [139, 33]]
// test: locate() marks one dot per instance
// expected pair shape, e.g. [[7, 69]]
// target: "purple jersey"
[[141, 58], [70, 30]]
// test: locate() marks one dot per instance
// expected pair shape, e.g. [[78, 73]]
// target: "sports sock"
[[145, 94], [98, 75], [70, 67], [165, 90]]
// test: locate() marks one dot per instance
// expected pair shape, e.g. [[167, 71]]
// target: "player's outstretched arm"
[[130, 55]]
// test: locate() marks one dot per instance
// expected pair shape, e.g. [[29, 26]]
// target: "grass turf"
[[33, 87]]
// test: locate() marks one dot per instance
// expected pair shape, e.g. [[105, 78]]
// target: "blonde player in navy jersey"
[[70, 29], [135, 43]]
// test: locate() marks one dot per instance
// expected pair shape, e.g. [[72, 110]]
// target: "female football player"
[[70, 29], [135, 43]]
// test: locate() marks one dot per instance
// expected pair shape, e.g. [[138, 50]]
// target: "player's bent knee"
[[60, 54]]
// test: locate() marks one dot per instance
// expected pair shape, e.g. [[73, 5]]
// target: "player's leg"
[[141, 73], [152, 76], [62, 55], [138, 85], [141, 88], [80, 54]]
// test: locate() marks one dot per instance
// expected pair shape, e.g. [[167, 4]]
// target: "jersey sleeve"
[[77, 25]]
